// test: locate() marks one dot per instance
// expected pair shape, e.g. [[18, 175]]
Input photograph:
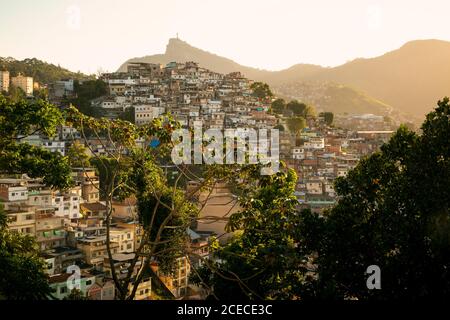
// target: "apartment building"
[[218, 204], [89, 182], [4, 81], [94, 249], [102, 291], [21, 218], [13, 190], [67, 205], [23, 82], [50, 229], [125, 210], [63, 257], [145, 113], [55, 146], [124, 237], [63, 284]]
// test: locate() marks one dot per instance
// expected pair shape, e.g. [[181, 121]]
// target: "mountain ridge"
[[411, 78]]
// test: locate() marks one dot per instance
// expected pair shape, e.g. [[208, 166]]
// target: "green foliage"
[[165, 213], [20, 119], [15, 94], [261, 90], [278, 106], [392, 212], [41, 72], [296, 124], [128, 115], [279, 127], [261, 261], [76, 294], [300, 109], [85, 92], [77, 155], [328, 117], [23, 276]]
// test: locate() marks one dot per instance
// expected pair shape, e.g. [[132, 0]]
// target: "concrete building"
[[218, 204], [62, 286], [89, 182], [55, 146], [23, 82], [67, 205], [22, 219], [94, 249], [102, 291], [146, 113], [124, 238], [4, 81], [13, 190], [50, 229], [125, 210]]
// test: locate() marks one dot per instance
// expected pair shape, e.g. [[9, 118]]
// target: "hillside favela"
[[139, 160]]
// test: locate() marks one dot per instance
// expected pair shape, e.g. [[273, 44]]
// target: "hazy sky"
[[272, 34]]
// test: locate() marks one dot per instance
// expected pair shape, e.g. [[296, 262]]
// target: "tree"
[[77, 155], [261, 261], [328, 117], [279, 127], [21, 119], [310, 112], [128, 115], [301, 109], [392, 212], [298, 108], [85, 93], [76, 294], [164, 210], [23, 276], [41, 93], [16, 94], [278, 105], [261, 90], [296, 124]]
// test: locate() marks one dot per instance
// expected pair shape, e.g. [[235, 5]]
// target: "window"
[[88, 282], [63, 290]]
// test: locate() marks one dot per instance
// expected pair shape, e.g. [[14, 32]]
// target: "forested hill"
[[41, 71]]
